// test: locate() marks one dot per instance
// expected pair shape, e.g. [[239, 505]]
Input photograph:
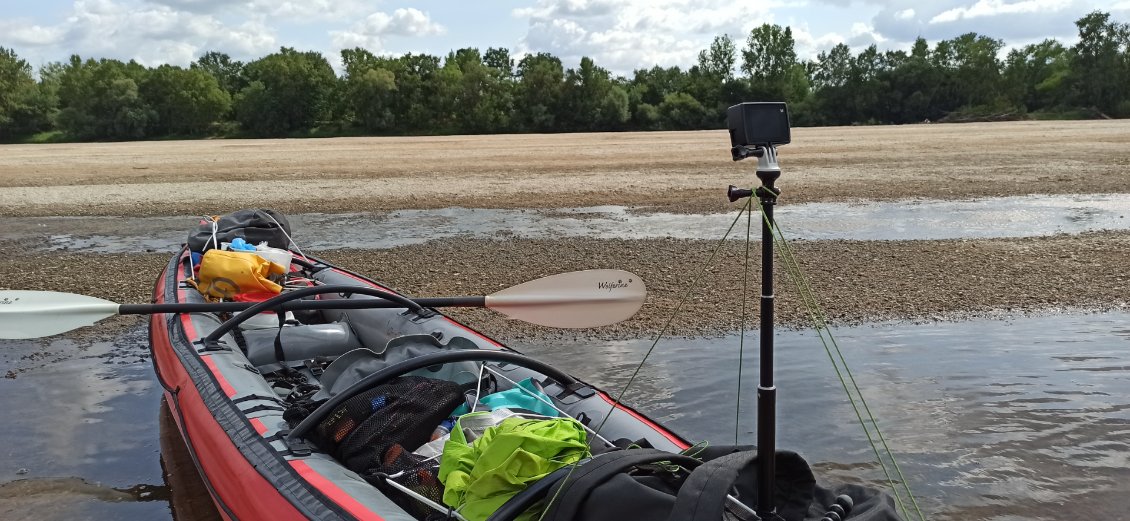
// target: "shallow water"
[[900, 220], [1017, 419], [1027, 418]]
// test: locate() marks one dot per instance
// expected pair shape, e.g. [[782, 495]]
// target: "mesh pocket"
[[374, 433]]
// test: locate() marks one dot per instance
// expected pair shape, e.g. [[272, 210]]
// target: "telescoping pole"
[[767, 171]]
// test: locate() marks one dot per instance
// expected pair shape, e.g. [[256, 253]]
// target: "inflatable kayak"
[[229, 397], [256, 400]]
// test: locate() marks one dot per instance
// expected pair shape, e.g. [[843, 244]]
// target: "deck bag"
[[253, 225], [224, 274], [657, 485], [482, 475]]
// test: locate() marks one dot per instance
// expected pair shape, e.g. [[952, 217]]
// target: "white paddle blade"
[[35, 314], [576, 299]]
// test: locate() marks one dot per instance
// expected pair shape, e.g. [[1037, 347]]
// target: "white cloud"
[[149, 33], [371, 32], [984, 8], [307, 10], [905, 14], [21, 33], [623, 35]]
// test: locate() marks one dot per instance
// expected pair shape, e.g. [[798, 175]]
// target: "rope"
[[741, 339], [678, 308], [817, 316], [658, 337]]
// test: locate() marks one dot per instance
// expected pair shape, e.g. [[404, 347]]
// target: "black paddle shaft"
[[231, 307]]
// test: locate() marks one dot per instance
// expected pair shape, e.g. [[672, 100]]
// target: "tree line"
[[293, 93]]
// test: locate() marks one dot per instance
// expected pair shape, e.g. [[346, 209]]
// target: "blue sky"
[[621, 35]]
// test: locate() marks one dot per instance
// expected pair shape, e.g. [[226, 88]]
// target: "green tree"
[[24, 108], [770, 63], [683, 112], [100, 100], [370, 92], [228, 72], [591, 101], [917, 80], [186, 101], [1035, 75], [1100, 70], [719, 60], [288, 91], [541, 80], [498, 58]]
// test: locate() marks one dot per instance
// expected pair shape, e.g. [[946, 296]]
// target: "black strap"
[[573, 491], [264, 407], [703, 494], [278, 337], [251, 397]]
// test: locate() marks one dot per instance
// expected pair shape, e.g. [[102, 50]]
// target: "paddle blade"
[[35, 314], [576, 299]]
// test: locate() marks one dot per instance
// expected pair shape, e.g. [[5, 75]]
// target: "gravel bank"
[[856, 281]]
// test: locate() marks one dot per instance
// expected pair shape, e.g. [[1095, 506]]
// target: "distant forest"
[[292, 93]]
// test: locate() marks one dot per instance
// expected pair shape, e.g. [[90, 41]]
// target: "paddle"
[[576, 299]]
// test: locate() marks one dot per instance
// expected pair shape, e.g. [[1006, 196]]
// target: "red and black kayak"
[[229, 394], [339, 398]]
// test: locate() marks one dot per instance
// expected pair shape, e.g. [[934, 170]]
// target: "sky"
[[619, 35]]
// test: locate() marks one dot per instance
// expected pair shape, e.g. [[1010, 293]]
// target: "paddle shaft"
[[214, 307]]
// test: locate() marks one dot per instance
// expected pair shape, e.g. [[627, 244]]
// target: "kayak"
[[231, 413], [231, 382]]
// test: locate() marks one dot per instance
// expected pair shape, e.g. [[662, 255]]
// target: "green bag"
[[479, 477]]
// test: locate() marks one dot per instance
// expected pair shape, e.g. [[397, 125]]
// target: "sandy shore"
[[679, 171]]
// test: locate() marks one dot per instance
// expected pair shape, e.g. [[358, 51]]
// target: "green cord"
[[820, 324], [678, 308], [741, 339]]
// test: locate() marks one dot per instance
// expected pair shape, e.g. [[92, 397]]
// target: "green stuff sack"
[[479, 477]]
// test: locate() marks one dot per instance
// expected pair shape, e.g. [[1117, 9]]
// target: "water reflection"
[[899, 220], [988, 419], [81, 441], [188, 499], [1026, 418]]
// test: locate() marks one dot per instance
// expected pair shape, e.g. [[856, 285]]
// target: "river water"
[[1024, 216], [1025, 418]]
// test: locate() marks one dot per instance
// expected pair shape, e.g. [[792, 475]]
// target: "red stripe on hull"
[[335, 493], [681, 443], [259, 426]]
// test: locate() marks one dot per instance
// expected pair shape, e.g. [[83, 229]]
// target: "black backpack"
[[654, 485], [253, 225]]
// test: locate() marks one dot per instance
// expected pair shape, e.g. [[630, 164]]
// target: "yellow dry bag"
[[224, 274]]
